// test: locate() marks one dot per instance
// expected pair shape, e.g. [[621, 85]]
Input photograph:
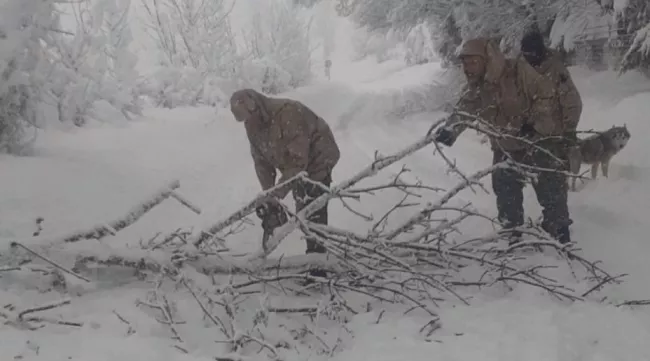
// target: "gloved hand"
[[445, 136], [267, 208], [272, 214], [527, 131]]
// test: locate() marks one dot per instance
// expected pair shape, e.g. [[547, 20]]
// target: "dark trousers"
[[305, 193], [550, 188]]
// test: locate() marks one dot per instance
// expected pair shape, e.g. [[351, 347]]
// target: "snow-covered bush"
[[420, 44], [455, 20], [638, 55], [171, 87], [201, 63], [196, 48], [383, 46], [633, 24], [51, 75], [94, 65], [277, 48], [26, 26]]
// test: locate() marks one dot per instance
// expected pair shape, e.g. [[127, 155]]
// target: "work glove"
[[527, 131], [445, 136]]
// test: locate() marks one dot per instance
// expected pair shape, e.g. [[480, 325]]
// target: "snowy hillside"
[[76, 180]]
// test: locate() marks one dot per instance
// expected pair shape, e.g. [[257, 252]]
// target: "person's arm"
[[456, 123], [540, 93], [265, 172], [570, 100]]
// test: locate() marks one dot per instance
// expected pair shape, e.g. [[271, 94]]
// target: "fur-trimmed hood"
[[495, 61]]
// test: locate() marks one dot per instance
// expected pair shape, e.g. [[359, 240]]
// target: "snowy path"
[[93, 175]]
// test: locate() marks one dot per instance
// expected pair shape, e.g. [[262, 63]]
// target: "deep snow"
[[75, 180], [81, 178]]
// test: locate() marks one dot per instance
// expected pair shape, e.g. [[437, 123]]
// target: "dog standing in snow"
[[597, 150]]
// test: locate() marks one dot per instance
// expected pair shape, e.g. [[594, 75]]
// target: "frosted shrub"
[[197, 53], [277, 48], [420, 46], [24, 68], [171, 87]]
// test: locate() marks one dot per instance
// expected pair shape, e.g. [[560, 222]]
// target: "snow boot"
[[514, 237], [564, 235]]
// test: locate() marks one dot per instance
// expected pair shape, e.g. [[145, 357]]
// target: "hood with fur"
[[486, 48]]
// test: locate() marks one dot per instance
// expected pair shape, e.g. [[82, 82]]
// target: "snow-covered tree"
[[633, 20], [451, 21], [198, 54], [27, 27], [96, 77], [121, 77], [420, 44], [277, 50]]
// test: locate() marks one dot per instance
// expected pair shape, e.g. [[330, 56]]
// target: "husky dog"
[[596, 150]]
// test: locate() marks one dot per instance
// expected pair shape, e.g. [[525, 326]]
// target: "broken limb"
[[56, 265], [182, 200], [492, 131], [244, 211], [424, 213], [371, 170], [104, 229], [20, 318], [162, 304], [41, 308]]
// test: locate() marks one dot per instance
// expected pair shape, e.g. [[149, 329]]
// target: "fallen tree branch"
[[41, 308], [318, 203], [242, 212], [56, 265], [424, 213], [110, 228]]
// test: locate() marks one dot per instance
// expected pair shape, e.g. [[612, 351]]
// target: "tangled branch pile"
[[407, 262]]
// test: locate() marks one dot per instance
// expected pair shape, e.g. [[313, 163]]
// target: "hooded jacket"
[[511, 94], [568, 100], [286, 135]]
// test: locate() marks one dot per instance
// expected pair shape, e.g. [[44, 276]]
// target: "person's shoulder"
[[555, 64]]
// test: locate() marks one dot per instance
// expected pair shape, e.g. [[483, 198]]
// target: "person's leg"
[[552, 194], [508, 186], [304, 194]]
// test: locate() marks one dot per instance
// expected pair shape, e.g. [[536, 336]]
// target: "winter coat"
[[569, 102], [286, 135], [511, 94]]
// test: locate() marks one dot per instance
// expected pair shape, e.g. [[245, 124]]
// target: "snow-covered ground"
[[78, 179]]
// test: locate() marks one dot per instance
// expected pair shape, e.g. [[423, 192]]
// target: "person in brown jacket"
[[549, 63], [568, 103], [287, 136], [518, 103]]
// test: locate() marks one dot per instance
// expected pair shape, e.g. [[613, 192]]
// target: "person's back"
[[285, 134], [549, 63]]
